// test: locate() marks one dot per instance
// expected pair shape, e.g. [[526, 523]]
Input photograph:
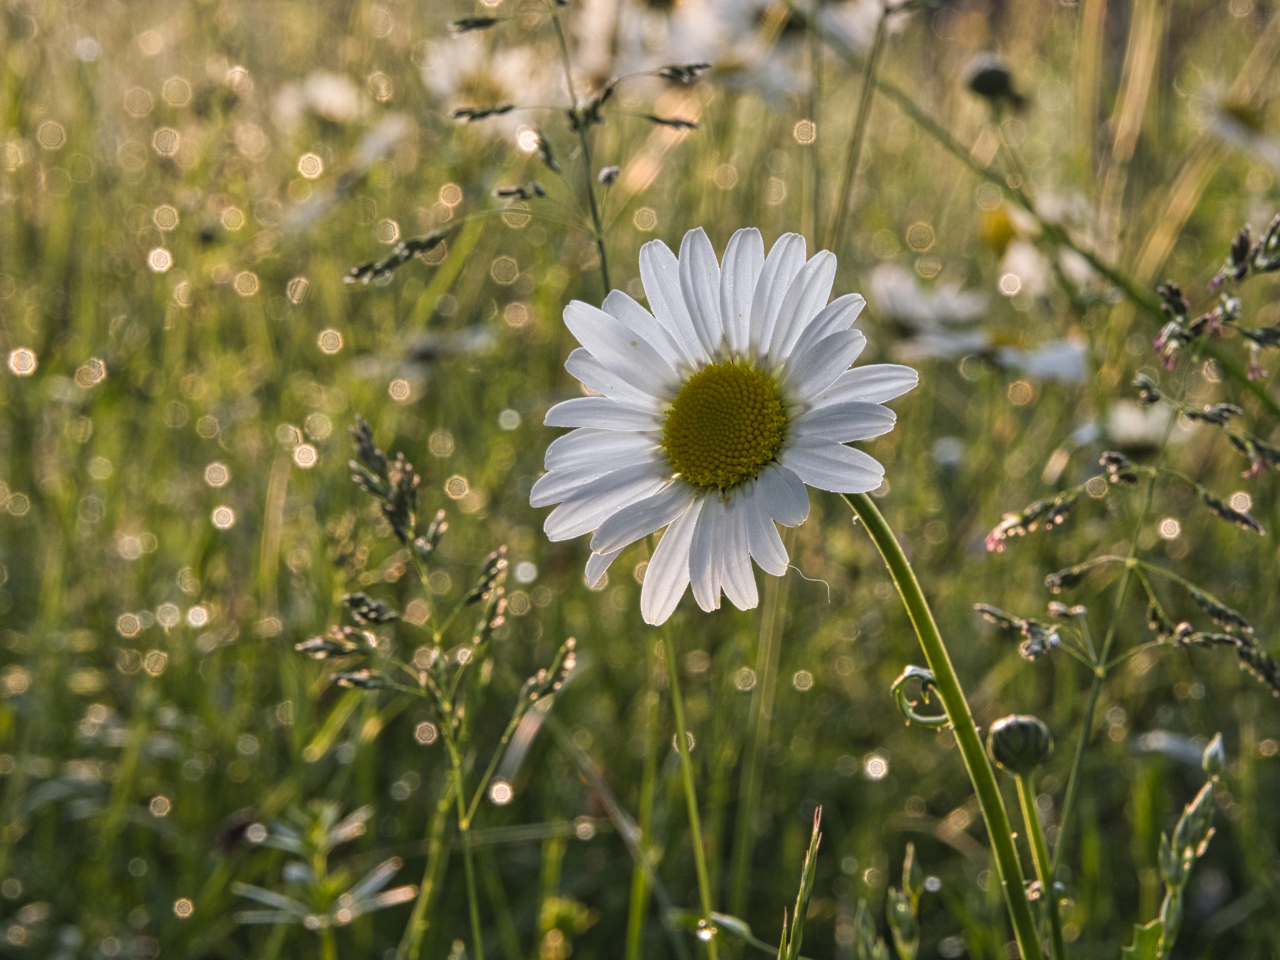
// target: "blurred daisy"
[[711, 414], [463, 72]]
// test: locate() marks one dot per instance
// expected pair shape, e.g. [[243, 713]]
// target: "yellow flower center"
[[724, 425]]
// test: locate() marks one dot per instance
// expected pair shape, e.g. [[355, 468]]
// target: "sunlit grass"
[[184, 188]]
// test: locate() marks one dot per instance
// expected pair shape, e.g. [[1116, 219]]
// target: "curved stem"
[[690, 794], [1040, 857], [948, 686]]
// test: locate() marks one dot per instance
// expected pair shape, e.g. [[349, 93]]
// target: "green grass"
[[133, 754]]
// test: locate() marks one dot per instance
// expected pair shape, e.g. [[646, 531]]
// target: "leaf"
[[1146, 942]]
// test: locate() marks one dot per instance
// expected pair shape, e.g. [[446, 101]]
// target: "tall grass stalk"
[[588, 180], [1040, 857], [762, 700], [948, 686], [836, 230], [690, 790]]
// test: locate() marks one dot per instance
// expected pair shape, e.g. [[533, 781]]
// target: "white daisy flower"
[[711, 414]]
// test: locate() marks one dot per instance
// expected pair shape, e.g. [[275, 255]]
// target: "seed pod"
[[1019, 743]]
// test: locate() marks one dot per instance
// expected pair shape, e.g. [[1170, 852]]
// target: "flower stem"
[[328, 945], [690, 793], [1040, 857], [775, 603], [948, 686]]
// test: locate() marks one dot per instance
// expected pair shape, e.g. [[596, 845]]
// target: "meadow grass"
[[185, 187]]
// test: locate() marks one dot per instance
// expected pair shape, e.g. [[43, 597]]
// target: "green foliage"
[[207, 631]]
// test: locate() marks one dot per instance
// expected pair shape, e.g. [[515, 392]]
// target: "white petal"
[[700, 284], [660, 274], [843, 422], [782, 495], [874, 383], [597, 564], [735, 564], [559, 484], [705, 553], [837, 315], [805, 298], [762, 536], [583, 366], [584, 446], [620, 349], [743, 261], [599, 499], [668, 572], [832, 466], [601, 413], [617, 304], [644, 517], [785, 260], [808, 375]]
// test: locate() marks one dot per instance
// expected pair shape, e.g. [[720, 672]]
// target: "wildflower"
[[711, 414]]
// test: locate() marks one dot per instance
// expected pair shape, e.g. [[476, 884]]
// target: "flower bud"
[[1019, 743], [1215, 757]]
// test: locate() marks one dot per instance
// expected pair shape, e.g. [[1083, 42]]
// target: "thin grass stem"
[[581, 126], [690, 791], [648, 787], [1040, 857], [767, 652], [836, 230]]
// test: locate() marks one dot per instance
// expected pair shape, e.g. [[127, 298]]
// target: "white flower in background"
[[1064, 360], [774, 66], [329, 96], [1131, 426], [711, 414], [929, 318], [939, 325], [464, 72]]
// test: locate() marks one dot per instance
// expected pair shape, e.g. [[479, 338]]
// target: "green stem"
[[648, 787], [588, 182], [468, 860], [328, 946], [1040, 857], [949, 690], [690, 793], [775, 603], [815, 94], [432, 877], [859, 133]]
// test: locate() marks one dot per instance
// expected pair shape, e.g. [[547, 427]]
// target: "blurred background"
[[185, 185]]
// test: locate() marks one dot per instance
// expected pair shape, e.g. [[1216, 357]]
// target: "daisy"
[[711, 414]]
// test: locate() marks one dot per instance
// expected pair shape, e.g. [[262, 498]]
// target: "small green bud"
[[1215, 757], [1019, 743], [912, 875], [903, 924]]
